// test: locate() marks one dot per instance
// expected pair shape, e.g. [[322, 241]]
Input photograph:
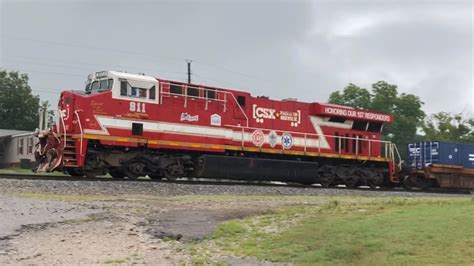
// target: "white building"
[[16, 145]]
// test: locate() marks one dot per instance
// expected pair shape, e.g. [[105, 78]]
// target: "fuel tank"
[[248, 168]]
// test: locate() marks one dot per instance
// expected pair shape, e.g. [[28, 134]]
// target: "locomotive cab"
[[122, 85]]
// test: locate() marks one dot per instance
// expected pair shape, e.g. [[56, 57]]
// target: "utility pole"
[[189, 70]]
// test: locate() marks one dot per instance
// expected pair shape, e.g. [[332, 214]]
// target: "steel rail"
[[46, 177]]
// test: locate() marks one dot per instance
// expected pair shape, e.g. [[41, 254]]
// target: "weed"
[[115, 261], [355, 231]]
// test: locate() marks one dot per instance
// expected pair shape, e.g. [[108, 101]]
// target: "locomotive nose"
[[66, 111]]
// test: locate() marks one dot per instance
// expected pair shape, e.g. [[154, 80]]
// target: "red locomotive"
[[135, 125]]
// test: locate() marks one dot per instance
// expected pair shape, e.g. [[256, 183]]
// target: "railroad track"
[[216, 182]]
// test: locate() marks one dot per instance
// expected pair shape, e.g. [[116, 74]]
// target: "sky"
[[281, 49]]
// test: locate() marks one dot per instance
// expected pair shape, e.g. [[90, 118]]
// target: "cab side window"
[[135, 90], [138, 92], [123, 88], [176, 89], [104, 84], [192, 91], [110, 84], [95, 86], [152, 94], [241, 100]]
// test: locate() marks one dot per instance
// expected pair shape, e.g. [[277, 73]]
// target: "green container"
[[25, 163]]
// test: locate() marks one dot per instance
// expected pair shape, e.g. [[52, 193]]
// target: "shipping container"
[[423, 154]]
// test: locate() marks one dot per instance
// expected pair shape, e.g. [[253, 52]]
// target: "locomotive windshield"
[[99, 85]]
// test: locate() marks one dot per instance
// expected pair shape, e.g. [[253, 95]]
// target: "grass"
[[21, 171], [121, 261], [116, 261], [354, 231], [14, 170]]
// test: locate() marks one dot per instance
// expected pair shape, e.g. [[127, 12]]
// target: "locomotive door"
[[357, 144], [66, 114], [342, 143], [348, 144], [239, 111]]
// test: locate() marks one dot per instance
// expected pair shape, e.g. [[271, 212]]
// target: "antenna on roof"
[[189, 70]]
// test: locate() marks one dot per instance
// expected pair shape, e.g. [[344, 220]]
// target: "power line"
[[47, 64], [39, 71], [46, 91], [51, 62], [229, 70], [205, 78], [90, 47], [215, 66]]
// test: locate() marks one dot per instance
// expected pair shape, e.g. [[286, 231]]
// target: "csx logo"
[[261, 113]]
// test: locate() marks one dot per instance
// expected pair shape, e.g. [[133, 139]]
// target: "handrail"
[[76, 112], [400, 162], [388, 149], [309, 134], [204, 89], [63, 124], [40, 117], [191, 96]]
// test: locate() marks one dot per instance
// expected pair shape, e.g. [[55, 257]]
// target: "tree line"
[[411, 122], [19, 110]]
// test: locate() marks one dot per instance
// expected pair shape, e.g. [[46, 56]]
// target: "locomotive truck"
[[131, 125]]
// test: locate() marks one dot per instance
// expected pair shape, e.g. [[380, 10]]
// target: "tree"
[[353, 96], [18, 107], [406, 108], [445, 126]]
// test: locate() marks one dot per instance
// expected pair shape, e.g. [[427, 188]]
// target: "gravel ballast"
[[163, 188]]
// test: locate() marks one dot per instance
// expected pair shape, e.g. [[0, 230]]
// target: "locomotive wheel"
[[325, 176], [326, 182], [375, 181], [422, 182], [371, 183], [75, 172], [156, 176], [307, 183], [93, 167], [326, 179], [116, 173], [407, 182], [134, 170], [173, 171], [92, 173], [351, 182]]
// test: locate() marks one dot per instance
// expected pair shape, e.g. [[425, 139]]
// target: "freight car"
[[439, 164], [135, 125]]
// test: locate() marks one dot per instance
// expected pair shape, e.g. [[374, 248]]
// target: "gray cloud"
[[281, 49]]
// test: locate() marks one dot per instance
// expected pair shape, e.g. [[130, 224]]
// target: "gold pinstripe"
[[227, 147]]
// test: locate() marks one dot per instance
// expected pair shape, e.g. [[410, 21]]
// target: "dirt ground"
[[58, 222], [123, 230]]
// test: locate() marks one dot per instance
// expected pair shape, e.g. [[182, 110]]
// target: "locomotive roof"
[[319, 108], [133, 76]]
